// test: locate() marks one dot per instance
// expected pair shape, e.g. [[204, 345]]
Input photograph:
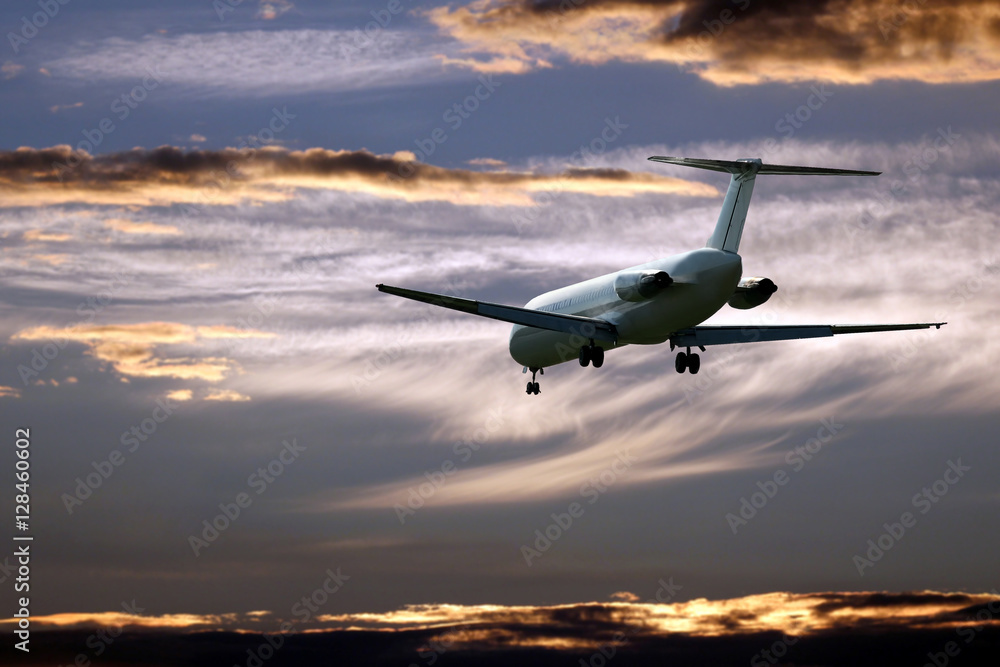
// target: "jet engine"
[[751, 292], [640, 285]]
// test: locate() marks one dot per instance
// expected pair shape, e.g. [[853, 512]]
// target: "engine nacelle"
[[640, 285], [752, 292]]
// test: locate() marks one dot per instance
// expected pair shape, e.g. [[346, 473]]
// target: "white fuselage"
[[703, 281]]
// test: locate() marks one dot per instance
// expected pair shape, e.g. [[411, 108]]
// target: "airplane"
[[659, 301]]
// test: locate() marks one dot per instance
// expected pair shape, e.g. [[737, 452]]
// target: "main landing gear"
[[688, 360], [533, 387], [592, 354]]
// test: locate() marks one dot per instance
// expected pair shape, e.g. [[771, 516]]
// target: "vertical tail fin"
[[729, 227]]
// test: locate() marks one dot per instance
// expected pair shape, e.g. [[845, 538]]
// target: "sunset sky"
[[197, 199]]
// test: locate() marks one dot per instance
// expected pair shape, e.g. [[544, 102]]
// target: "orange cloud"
[[737, 43], [55, 108], [226, 395], [588, 625], [39, 235], [132, 227], [10, 69], [9, 392], [53, 259], [131, 348], [37, 177], [272, 9]]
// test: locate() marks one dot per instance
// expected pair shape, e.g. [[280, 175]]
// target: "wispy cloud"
[[244, 63], [410, 382]]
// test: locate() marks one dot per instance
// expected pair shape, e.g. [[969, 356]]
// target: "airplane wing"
[[586, 327], [724, 335]]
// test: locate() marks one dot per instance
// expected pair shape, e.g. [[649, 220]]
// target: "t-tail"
[[729, 228]]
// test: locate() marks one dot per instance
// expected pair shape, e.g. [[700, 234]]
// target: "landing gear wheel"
[[533, 387], [680, 363], [693, 363], [585, 353], [597, 356]]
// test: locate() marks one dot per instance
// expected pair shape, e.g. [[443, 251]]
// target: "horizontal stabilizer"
[[587, 327], [742, 166], [726, 335], [729, 226]]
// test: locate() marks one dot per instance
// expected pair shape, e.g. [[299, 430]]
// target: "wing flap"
[[586, 327], [727, 335]]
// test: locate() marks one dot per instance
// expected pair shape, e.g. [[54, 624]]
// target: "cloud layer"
[[168, 175], [761, 628], [738, 42]]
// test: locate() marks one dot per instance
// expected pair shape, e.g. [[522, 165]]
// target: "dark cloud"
[[743, 41], [169, 174], [837, 601], [634, 633]]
